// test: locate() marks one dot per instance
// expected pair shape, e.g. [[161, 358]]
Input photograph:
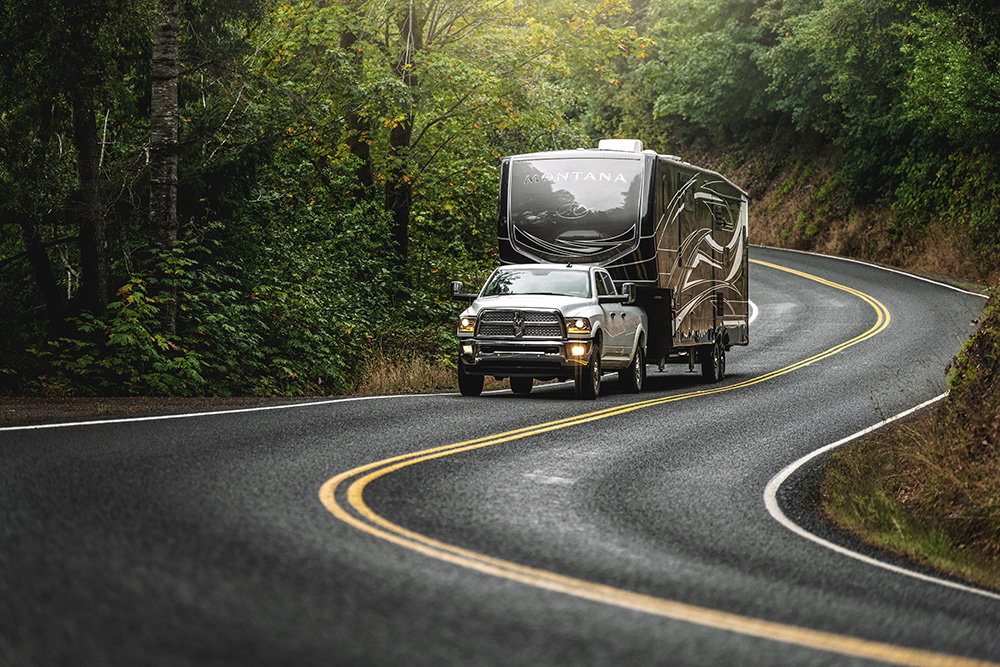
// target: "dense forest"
[[252, 197]]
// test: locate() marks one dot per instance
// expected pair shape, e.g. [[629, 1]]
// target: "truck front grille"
[[520, 324]]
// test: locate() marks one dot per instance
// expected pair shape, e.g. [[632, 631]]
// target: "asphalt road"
[[630, 530]]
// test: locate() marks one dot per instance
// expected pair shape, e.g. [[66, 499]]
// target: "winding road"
[[502, 530]]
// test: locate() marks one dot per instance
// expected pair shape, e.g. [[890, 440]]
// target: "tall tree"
[[163, 121], [89, 210], [358, 134], [410, 18], [60, 61]]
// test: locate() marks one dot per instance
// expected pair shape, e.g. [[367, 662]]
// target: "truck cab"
[[550, 321]]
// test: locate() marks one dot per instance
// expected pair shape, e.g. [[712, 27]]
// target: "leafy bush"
[[123, 352]]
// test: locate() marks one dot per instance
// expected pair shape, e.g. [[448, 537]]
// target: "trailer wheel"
[[521, 386], [632, 378], [469, 385], [588, 378], [713, 361]]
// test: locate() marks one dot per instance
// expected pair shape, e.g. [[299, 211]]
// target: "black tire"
[[469, 385], [521, 386], [713, 362], [632, 378], [588, 378]]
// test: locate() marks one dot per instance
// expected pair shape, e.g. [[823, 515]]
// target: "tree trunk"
[[89, 214], [163, 150], [38, 258], [398, 186], [357, 137]]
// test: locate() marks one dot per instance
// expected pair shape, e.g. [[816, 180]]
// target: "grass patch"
[[868, 490], [389, 373]]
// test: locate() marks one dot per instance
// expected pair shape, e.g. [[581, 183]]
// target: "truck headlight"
[[578, 325], [577, 350], [467, 325]]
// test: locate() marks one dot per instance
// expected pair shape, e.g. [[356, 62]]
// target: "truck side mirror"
[[458, 295], [630, 292]]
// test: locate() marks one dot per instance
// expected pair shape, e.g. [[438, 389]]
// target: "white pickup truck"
[[549, 321]]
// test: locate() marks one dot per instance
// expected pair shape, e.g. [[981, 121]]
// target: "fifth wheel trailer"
[[676, 231]]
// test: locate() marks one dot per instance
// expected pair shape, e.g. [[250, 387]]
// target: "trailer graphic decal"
[[699, 247]]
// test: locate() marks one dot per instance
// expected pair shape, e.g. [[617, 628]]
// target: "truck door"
[[614, 319]]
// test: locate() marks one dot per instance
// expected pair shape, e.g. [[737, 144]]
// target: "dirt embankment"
[[803, 205]]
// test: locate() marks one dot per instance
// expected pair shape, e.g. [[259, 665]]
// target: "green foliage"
[[960, 189], [954, 87], [283, 283], [706, 65], [121, 353], [975, 371], [301, 121]]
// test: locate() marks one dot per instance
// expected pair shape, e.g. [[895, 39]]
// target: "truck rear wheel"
[[521, 386], [631, 379], [469, 385], [588, 378]]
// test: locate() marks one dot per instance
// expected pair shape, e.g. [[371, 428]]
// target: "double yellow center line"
[[357, 513]]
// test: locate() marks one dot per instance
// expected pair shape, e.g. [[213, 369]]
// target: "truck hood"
[[564, 304]]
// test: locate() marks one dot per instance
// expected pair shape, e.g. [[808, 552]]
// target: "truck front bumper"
[[538, 359]]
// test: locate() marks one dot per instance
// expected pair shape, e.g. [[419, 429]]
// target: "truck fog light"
[[467, 349], [578, 350]]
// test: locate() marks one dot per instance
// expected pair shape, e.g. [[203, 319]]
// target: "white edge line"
[[875, 266], [213, 413], [230, 411], [771, 502]]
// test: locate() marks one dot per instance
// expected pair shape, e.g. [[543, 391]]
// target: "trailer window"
[[576, 207]]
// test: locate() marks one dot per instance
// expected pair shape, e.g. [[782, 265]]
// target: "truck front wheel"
[[588, 378], [469, 385]]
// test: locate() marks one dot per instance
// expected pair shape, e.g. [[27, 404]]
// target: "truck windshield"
[[561, 282], [586, 207]]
